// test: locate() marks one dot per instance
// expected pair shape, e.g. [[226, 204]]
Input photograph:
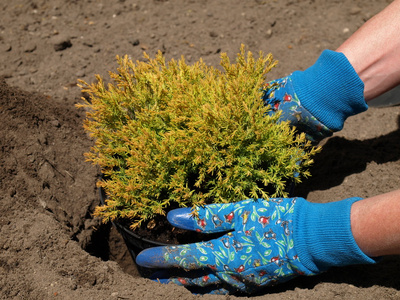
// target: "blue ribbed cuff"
[[330, 90], [323, 236]]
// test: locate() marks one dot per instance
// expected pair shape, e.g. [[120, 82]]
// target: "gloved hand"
[[266, 242], [318, 100]]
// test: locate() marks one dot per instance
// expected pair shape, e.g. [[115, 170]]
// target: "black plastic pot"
[[134, 242]]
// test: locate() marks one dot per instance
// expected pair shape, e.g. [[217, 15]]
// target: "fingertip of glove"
[[181, 218], [150, 258]]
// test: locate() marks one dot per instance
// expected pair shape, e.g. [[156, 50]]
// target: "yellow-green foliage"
[[170, 133]]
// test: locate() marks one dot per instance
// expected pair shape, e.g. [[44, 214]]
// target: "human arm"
[[373, 51], [375, 224], [340, 83]]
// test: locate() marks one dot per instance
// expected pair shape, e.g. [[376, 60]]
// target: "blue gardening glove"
[[317, 101], [266, 242]]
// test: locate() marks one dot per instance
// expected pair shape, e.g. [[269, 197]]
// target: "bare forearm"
[[375, 224], [373, 50]]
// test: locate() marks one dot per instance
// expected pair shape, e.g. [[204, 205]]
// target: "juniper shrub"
[[172, 134]]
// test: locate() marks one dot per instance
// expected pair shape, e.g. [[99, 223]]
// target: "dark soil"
[[50, 245]]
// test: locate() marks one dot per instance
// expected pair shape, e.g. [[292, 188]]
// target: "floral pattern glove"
[[257, 251], [318, 100]]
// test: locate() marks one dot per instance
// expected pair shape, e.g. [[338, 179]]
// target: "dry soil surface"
[[50, 245]]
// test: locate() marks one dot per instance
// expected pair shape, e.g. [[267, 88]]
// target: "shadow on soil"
[[340, 158], [362, 276]]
